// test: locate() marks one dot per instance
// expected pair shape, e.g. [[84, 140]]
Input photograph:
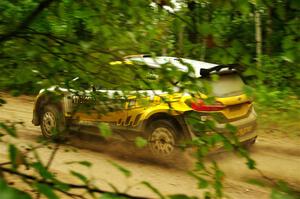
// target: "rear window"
[[227, 85]]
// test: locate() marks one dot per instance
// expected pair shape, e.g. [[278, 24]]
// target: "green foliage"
[[218, 181], [155, 190], [283, 100], [140, 142], [46, 191], [125, 171], [256, 182], [13, 154], [43, 172], [80, 177], [45, 46], [67, 40], [7, 192], [84, 163], [9, 128], [283, 190], [112, 196], [181, 196], [105, 130]]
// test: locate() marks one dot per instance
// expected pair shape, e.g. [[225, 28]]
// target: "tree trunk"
[[269, 32], [180, 41], [258, 36]]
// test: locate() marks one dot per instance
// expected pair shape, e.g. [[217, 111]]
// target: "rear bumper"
[[246, 127]]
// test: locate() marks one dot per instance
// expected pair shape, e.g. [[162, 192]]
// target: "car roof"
[[156, 62]]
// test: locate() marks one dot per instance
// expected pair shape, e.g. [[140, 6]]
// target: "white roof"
[[175, 61], [110, 93]]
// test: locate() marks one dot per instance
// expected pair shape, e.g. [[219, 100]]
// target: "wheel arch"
[[41, 101], [177, 121]]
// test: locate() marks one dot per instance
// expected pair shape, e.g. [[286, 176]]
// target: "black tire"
[[53, 123], [163, 138]]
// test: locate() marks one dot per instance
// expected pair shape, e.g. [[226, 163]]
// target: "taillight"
[[201, 106]]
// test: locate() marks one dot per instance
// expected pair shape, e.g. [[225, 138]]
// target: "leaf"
[[113, 187], [243, 6], [200, 166], [42, 170], [218, 180], [13, 152], [214, 77], [155, 190], [257, 182], [140, 142], [84, 163], [105, 130], [288, 56], [288, 42], [80, 176], [231, 128], [62, 186], [181, 196], [11, 130], [46, 191], [7, 192], [126, 172], [202, 183], [228, 145], [210, 124], [216, 138], [112, 196], [250, 163], [218, 188], [276, 194]]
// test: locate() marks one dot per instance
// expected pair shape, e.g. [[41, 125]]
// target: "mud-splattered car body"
[[162, 118]]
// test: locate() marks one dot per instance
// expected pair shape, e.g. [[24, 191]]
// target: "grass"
[[283, 120]]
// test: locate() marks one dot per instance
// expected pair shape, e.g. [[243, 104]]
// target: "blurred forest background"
[[49, 42], [46, 42]]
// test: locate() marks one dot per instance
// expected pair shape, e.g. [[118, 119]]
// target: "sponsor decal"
[[76, 99]]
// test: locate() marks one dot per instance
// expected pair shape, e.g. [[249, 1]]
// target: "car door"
[[93, 109], [135, 107]]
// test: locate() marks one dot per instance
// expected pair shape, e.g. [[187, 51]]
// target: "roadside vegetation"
[[49, 42]]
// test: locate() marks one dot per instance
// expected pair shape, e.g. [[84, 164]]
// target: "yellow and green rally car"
[[160, 117]]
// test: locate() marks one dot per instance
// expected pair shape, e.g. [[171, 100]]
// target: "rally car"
[[160, 117]]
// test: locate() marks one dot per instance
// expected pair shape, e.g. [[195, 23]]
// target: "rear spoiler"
[[225, 68]]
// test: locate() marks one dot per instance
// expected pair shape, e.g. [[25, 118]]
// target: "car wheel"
[[162, 138], [53, 123]]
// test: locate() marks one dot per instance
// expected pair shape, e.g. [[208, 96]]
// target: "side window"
[[111, 105], [138, 103], [116, 104]]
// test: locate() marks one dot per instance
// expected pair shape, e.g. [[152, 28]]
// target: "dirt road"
[[277, 155]]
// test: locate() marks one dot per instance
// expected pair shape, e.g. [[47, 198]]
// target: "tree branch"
[[28, 20], [52, 156], [72, 186]]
